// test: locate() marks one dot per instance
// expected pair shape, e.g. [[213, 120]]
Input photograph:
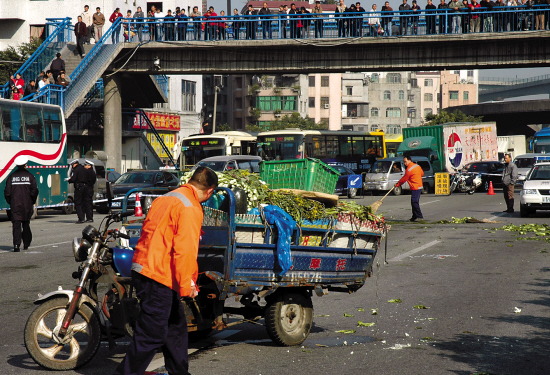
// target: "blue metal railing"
[[59, 34], [49, 94], [162, 81]]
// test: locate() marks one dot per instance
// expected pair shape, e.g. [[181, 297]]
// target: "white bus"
[[37, 131], [190, 150]]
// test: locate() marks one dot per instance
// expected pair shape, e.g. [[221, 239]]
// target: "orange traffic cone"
[[491, 190], [139, 212]]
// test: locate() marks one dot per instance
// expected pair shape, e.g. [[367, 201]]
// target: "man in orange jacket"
[[413, 175], [164, 270]]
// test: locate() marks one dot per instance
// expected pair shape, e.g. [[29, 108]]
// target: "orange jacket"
[[168, 247], [413, 175]]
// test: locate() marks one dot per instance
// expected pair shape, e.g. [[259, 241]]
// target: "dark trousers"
[[341, 28], [79, 193], [508, 191], [26, 234], [266, 29], [161, 324], [182, 34], [318, 28], [415, 204], [80, 40], [89, 202]]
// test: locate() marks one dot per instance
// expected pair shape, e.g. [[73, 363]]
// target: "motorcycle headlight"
[[530, 191], [81, 247], [89, 233]]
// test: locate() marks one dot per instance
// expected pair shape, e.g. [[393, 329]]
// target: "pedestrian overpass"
[[127, 64]]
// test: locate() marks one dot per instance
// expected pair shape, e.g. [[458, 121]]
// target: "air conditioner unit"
[[327, 106]]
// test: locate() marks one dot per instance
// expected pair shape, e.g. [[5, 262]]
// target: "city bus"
[[392, 143], [192, 149], [353, 149], [37, 131]]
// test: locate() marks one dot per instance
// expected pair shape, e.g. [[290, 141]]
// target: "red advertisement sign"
[[160, 121]]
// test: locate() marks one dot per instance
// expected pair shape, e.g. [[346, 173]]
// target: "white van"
[[385, 173], [525, 162]]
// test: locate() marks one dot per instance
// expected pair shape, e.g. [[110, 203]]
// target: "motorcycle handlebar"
[[119, 216], [124, 236]]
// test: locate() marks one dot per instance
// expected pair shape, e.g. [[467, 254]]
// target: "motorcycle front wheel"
[[77, 348]]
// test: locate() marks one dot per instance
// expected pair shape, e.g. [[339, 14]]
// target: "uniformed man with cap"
[[21, 192], [79, 177], [89, 195]]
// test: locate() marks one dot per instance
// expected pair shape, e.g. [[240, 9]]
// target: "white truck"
[[511, 144]]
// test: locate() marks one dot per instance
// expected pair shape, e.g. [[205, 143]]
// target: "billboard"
[[468, 143]]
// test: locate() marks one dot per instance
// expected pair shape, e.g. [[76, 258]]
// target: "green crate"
[[303, 174]]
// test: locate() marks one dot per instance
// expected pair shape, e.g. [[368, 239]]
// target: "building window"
[[324, 102], [311, 81], [393, 112], [466, 95], [188, 95], [374, 112], [352, 110], [374, 77], [411, 112], [387, 95], [238, 82], [411, 98], [457, 72], [401, 95], [453, 95], [324, 81], [470, 73], [428, 97], [374, 128], [393, 129], [311, 102], [393, 78], [272, 103], [349, 90], [414, 82], [427, 111], [428, 83]]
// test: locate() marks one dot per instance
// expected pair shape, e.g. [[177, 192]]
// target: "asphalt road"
[[486, 294]]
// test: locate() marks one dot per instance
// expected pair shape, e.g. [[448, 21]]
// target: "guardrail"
[[49, 94]]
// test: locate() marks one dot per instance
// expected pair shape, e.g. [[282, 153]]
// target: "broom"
[[376, 205]]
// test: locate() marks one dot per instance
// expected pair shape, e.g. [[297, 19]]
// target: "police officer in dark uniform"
[[89, 195], [21, 192], [79, 177]]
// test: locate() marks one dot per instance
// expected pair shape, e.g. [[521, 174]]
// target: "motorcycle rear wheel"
[[83, 337]]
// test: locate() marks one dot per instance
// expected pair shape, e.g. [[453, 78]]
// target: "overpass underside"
[[429, 52]]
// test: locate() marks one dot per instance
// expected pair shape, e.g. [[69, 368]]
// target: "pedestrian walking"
[[89, 191], [21, 192], [509, 178], [164, 270], [78, 179], [413, 175], [80, 33], [99, 21]]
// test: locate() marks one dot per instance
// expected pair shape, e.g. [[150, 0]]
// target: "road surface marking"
[[159, 362], [438, 200], [414, 251], [51, 244]]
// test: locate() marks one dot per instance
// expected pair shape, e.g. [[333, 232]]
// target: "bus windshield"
[[197, 149], [280, 147]]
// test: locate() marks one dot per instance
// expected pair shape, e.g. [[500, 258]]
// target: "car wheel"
[[523, 211], [69, 208], [397, 191], [352, 192], [425, 188]]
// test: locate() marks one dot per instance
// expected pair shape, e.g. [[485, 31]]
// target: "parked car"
[[491, 171], [525, 162], [230, 162], [385, 173], [112, 176], [342, 184], [138, 179], [535, 194]]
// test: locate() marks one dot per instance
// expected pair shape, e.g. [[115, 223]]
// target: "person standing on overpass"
[[413, 175]]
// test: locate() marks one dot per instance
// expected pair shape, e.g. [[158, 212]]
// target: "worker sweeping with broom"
[[413, 175]]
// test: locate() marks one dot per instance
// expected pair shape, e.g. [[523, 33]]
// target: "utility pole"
[[216, 89]]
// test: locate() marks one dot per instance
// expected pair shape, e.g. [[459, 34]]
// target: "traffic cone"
[[490, 192], [139, 212]]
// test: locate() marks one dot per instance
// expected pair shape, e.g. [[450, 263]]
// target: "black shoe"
[[505, 211], [90, 221], [25, 247], [80, 222], [413, 218], [509, 211], [16, 249]]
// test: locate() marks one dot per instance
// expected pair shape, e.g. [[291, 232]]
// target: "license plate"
[[545, 199], [372, 187], [116, 204]]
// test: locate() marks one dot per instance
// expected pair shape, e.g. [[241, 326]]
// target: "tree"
[[444, 117], [290, 121], [20, 53], [223, 128]]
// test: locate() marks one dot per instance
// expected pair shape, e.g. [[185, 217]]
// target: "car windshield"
[[381, 167], [216, 166], [135, 178], [524, 162], [540, 172]]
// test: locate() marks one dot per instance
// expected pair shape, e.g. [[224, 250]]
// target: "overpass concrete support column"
[[112, 122]]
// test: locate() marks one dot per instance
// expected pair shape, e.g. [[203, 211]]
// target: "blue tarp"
[[285, 225]]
